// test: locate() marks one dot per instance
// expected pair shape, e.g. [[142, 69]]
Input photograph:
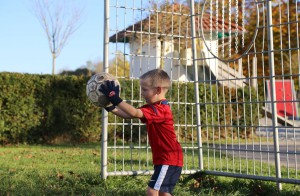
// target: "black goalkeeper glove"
[[111, 91], [110, 108]]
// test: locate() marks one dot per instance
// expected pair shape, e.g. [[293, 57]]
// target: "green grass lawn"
[[75, 170]]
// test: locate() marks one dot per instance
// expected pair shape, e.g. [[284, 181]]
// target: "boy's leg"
[[153, 192], [163, 180]]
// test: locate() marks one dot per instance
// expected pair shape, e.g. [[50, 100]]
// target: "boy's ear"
[[158, 90]]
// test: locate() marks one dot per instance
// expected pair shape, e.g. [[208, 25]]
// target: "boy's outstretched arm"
[[117, 111], [123, 109], [128, 109]]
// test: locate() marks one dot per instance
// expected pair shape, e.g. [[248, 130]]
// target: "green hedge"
[[54, 109], [45, 108]]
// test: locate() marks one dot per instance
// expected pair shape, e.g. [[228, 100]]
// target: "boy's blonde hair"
[[157, 78]]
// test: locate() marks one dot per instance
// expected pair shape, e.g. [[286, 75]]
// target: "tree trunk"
[[53, 63]]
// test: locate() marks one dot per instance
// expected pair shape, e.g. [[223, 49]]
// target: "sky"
[[23, 43]]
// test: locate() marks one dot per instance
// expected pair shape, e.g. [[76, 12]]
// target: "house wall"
[[144, 57], [172, 63], [148, 56], [209, 59], [207, 66]]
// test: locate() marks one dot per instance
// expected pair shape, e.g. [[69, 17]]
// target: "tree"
[[119, 66], [78, 72], [285, 35], [59, 22], [89, 69]]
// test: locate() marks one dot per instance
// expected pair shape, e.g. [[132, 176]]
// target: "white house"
[[149, 51]]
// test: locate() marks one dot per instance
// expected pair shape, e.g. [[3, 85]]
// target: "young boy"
[[157, 115]]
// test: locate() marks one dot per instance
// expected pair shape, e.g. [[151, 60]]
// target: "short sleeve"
[[156, 114]]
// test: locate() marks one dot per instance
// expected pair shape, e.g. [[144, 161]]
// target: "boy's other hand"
[[111, 91]]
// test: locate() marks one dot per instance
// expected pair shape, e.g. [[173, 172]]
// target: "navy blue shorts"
[[165, 177]]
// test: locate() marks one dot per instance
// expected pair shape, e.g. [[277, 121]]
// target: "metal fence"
[[235, 67]]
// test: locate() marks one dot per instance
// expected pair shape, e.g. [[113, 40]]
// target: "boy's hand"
[[111, 91]]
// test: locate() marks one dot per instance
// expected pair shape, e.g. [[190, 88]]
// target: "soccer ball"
[[92, 89]]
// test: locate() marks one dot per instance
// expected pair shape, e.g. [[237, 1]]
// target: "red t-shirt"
[[166, 150]]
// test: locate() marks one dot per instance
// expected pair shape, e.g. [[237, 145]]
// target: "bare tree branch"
[[59, 22]]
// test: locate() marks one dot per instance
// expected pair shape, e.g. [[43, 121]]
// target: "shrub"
[[54, 109]]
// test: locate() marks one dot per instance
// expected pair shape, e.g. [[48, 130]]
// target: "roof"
[[179, 16]]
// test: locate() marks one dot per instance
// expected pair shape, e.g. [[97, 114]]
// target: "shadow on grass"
[[73, 145], [200, 183]]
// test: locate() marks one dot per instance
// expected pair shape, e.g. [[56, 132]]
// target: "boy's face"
[[148, 92]]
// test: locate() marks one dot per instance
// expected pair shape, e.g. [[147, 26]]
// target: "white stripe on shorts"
[[161, 177]]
